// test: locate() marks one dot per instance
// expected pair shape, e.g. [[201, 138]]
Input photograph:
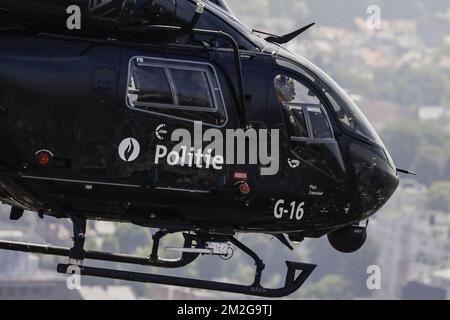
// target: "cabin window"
[[303, 111], [183, 90], [150, 85], [192, 88]]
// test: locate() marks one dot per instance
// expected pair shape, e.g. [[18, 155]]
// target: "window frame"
[[310, 126], [296, 106], [151, 104], [186, 65], [305, 107]]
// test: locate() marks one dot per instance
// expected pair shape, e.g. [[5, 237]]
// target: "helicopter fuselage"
[[84, 130]]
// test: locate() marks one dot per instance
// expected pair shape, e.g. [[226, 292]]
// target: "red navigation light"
[[244, 188], [43, 158]]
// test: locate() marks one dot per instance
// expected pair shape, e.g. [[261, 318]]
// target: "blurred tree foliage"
[[126, 239], [271, 16], [350, 268], [330, 287], [332, 13], [438, 196], [406, 86], [423, 147]]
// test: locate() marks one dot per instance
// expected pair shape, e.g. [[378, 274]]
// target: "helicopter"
[[174, 115]]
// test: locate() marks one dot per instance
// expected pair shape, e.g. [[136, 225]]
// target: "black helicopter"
[[87, 114]]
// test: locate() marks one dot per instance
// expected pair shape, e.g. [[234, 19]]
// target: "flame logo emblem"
[[129, 149], [293, 163]]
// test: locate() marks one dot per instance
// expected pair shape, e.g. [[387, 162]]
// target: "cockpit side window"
[[319, 123], [183, 90], [295, 119], [345, 111], [304, 114]]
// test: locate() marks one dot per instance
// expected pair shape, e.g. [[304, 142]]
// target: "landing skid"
[[297, 273], [98, 255], [292, 283]]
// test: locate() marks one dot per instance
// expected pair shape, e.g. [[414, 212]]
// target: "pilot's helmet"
[[285, 88]]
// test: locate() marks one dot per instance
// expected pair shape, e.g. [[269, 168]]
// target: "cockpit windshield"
[[349, 115], [222, 5], [346, 111]]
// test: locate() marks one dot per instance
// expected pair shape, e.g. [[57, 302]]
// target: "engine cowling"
[[97, 14]]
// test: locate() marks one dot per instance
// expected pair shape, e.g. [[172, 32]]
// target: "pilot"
[[285, 88]]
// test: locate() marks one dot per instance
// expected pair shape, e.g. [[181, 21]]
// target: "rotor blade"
[[288, 37]]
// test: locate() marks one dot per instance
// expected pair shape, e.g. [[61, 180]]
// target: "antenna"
[[290, 36], [199, 9]]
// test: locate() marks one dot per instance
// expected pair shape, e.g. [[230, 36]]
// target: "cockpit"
[[304, 112], [315, 109], [349, 116]]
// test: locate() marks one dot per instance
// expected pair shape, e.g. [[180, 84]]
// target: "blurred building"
[[22, 278], [428, 113], [413, 243], [41, 286], [160, 292], [48, 285], [441, 279], [15, 264], [382, 113], [421, 291]]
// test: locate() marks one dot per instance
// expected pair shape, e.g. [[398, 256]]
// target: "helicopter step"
[[222, 249]]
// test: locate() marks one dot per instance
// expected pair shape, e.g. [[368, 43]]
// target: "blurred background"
[[399, 75]]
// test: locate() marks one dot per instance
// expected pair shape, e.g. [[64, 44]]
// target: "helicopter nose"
[[376, 177], [388, 181]]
